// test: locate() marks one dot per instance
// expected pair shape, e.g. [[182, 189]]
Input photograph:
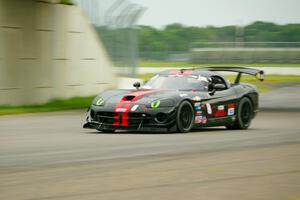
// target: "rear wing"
[[259, 74]]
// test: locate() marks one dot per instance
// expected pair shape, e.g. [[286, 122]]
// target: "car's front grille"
[[105, 117], [106, 114], [134, 119], [137, 118]]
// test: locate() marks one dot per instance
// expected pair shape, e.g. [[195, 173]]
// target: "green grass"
[[153, 63], [67, 2], [271, 81], [54, 105]]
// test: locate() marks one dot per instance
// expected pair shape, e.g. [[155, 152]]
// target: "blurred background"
[[58, 54]]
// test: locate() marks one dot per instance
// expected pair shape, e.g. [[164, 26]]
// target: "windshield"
[[178, 82]]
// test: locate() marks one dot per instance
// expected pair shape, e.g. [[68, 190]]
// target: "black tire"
[[244, 115], [185, 117]]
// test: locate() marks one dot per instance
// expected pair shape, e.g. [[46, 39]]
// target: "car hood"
[[147, 96], [142, 96]]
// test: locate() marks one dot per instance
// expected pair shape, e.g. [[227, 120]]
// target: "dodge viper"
[[178, 100]]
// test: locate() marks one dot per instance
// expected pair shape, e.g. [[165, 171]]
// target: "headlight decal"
[[100, 102], [155, 104]]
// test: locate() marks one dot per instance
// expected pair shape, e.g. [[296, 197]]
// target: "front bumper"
[[152, 120]]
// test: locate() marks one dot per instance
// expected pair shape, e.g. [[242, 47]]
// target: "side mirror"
[[219, 87], [137, 85]]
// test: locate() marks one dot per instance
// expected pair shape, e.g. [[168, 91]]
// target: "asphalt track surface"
[[49, 156]]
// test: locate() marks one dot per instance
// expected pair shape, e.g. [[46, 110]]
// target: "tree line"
[[177, 37], [126, 45]]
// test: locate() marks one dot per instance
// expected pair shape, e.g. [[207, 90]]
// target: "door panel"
[[221, 107]]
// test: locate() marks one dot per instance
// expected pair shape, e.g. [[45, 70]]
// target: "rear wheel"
[[185, 117], [244, 115]]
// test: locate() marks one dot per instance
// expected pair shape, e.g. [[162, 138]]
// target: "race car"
[[178, 100]]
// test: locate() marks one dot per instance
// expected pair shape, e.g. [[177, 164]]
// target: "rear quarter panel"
[[250, 91]]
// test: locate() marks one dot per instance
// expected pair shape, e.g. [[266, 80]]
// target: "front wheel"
[[244, 115], [185, 117]]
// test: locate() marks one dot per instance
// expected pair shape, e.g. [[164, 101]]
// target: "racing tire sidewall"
[[180, 127], [240, 123]]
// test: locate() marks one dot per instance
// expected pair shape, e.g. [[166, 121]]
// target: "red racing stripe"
[[188, 72], [117, 117], [125, 106], [174, 71], [177, 71]]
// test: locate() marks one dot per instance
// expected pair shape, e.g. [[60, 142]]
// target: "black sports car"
[[178, 100]]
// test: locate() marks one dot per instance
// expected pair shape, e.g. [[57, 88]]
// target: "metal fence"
[[231, 52], [246, 52], [245, 45], [115, 22]]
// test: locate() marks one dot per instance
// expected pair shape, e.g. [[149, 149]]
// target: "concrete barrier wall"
[[49, 51]]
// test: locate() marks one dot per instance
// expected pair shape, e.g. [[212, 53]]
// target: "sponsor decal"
[[197, 106], [134, 107], [199, 112], [231, 109], [100, 102], [121, 109], [197, 98], [198, 119], [208, 108], [155, 104], [221, 107], [219, 111], [204, 120], [231, 105]]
